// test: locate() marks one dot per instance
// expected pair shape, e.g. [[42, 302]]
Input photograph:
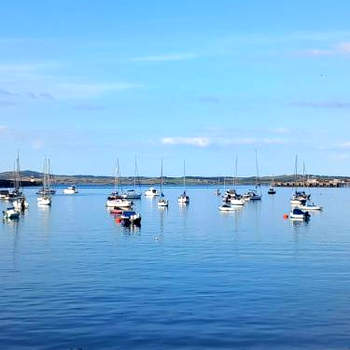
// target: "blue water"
[[189, 278]]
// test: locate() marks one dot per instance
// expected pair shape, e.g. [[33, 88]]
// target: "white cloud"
[[193, 141], [165, 58], [221, 141]]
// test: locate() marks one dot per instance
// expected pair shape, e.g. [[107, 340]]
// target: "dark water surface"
[[190, 278]]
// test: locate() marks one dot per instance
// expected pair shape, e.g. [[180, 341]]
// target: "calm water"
[[190, 278]]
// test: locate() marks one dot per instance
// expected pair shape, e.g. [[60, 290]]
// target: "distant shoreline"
[[30, 178]]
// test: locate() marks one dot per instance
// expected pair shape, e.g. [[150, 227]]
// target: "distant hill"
[[34, 178]]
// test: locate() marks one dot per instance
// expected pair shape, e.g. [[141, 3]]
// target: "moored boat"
[[298, 214], [10, 213], [129, 217], [227, 207], [44, 200], [151, 192], [70, 190]]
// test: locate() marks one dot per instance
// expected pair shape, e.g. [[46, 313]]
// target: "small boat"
[[131, 194], [271, 191], [183, 198], [20, 204], [115, 200], [44, 200], [129, 217], [298, 214], [227, 207], [151, 192], [70, 190], [254, 196], [163, 202], [10, 213], [251, 195]]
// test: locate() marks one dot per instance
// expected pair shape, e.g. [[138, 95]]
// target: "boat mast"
[[257, 169], [44, 174], [235, 178], [48, 173], [184, 176], [116, 178], [17, 174], [135, 167], [296, 173], [161, 177]]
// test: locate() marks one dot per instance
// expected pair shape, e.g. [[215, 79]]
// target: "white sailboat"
[[236, 199], [115, 200], [184, 198], [44, 197], [162, 202], [132, 193], [253, 195], [17, 197]]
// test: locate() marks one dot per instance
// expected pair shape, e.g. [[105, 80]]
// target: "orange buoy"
[[118, 220], [285, 216]]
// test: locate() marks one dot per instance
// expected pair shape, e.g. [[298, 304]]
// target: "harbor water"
[[189, 278]]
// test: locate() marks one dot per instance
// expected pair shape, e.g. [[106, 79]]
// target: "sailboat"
[[47, 190], [44, 197], [162, 202], [16, 196], [235, 198], [115, 200], [253, 194], [184, 198], [299, 197], [132, 193]]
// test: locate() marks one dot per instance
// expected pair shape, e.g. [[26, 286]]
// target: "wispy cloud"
[[322, 104], [46, 81], [165, 57], [202, 141], [342, 48], [193, 141]]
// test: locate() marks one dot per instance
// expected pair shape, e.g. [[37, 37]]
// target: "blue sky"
[[87, 82]]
